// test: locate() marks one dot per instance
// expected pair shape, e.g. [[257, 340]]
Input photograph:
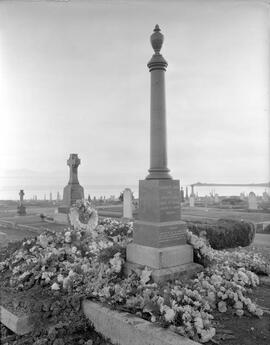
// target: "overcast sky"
[[73, 79]]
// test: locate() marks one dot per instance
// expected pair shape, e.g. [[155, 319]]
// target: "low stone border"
[[126, 329], [19, 325]]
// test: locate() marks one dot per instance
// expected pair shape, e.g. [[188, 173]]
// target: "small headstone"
[[182, 195], [242, 196], [252, 201], [50, 196], [265, 196], [187, 193], [127, 204], [58, 197], [192, 201], [216, 199], [21, 208]]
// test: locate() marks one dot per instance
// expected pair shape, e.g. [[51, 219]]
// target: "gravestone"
[[265, 196], [252, 201], [21, 210], [216, 199], [159, 236], [242, 196], [58, 197], [187, 193], [127, 204], [182, 194], [73, 191], [192, 200]]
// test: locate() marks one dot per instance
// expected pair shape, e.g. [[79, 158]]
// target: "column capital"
[[157, 61]]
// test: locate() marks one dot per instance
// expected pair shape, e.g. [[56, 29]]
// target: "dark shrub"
[[225, 233]]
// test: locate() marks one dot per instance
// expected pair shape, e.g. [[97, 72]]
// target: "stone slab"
[[159, 200], [126, 329], [158, 258], [160, 235], [181, 272], [19, 325]]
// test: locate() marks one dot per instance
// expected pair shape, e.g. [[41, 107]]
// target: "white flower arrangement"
[[71, 257], [84, 208]]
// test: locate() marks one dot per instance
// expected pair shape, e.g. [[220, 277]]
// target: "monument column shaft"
[[73, 175], [158, 141]]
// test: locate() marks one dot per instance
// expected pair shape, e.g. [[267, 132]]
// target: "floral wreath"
[[82, 216]]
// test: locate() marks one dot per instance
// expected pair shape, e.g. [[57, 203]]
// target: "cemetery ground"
[[230, 330]]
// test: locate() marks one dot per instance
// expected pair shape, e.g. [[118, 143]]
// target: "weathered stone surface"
[[127, 204], [162, 275], [159, 235], [126, 329], [252, 201], [160, 258], [21, 210], [19, 325], [192, 201], [73, 191], [159, 200]]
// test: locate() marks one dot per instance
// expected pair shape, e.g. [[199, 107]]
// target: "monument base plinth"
[[165, 263], [158, 258], [160, 234], [21, 210], [72, 193], [183, 272]]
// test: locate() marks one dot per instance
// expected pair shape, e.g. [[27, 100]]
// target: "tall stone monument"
[[73, 191], [21, 210], [159, 239]]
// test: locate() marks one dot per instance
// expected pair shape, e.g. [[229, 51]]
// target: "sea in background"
[[11, 192]]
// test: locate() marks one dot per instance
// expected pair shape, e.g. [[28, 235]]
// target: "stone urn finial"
[[157, 39]]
